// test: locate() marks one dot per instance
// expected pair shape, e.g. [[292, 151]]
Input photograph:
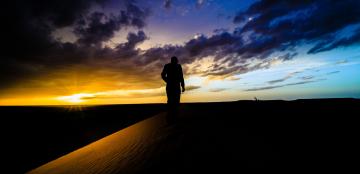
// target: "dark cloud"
[[223, 46], [197, 48], [30, 50], [167, 4], [343, 42], [288, 56], [99, 27], [27, 45], [289, 23], [128, 49], [95, 31]]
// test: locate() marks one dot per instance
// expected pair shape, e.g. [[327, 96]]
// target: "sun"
[[76, 98]]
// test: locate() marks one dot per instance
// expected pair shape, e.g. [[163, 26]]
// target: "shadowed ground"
[[34, 135], [123, 151], [224, 137]]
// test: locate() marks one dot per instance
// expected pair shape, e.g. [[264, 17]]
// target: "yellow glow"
[[76, 98], [80, 85]]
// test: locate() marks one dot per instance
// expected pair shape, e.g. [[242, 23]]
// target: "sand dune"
[[122, 151], [223, 138], [193, 143]]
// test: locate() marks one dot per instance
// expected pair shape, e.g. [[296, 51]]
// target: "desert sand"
[[216, 138], [222, 137]]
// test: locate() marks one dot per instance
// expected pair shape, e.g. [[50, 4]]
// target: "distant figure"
[[173, 76]]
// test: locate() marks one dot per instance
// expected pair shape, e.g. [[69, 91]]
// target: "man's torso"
[[173, 74]]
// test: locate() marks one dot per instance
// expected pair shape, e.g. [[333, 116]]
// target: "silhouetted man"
[[173, 76]]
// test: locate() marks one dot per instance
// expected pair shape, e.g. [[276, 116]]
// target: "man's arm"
[[163, 74], [182, 80]]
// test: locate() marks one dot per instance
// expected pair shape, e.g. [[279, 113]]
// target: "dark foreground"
[[207, 137], [32, 136]]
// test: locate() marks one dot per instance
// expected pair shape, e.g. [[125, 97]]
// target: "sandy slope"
[[223, 138], [124, 151]]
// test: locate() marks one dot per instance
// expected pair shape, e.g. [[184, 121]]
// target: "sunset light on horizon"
[[178, 86], [113, 51]]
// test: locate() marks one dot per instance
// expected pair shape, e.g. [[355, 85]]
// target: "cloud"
[[232, 78], [191, 87], [276, 29], [167, 4], [341, 62], [200, 3], [30, 50], [278, 80], [279, 86], [331, 44], [285, 24], [99, 27], [333, 72], [307, 77], [290, 75], [27, 41], [263, 88], [218, 89], [31, 53]]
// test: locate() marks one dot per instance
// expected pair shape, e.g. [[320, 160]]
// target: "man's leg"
[[172, 105], [170, 100]]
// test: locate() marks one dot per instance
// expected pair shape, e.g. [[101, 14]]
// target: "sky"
[[66, 52]]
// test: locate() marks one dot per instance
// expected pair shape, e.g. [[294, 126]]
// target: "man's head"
[[174, 60]]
